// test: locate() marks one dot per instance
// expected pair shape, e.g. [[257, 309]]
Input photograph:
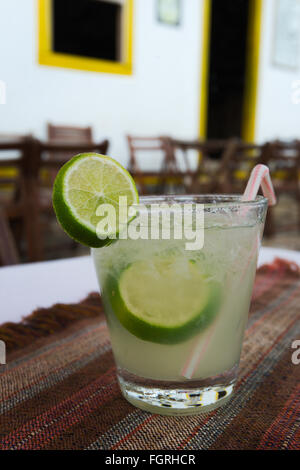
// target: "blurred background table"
[[26, 287]]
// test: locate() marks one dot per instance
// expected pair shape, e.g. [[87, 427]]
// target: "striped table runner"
[[59, 390]]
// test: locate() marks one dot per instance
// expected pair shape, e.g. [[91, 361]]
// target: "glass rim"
[[209, 200]]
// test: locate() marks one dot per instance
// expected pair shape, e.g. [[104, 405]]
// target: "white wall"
[[277, 115], [161, 97]]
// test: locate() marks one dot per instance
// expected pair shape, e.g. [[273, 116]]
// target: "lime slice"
[[82, 185], [163, 300]]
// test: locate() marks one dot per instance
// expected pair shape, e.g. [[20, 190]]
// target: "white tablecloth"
[[25, 287]]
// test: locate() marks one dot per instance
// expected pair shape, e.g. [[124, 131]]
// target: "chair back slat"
[[69, 134], [63, 135]]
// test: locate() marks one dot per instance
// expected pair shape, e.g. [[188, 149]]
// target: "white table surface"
[[28, 286]]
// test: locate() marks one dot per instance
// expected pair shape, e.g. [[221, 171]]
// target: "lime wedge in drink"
[[163, 300], [82, 185]]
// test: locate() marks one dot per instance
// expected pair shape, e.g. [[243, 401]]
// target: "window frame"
[[46, 55]]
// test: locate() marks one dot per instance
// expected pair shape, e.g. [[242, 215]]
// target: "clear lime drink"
[[177, 317]]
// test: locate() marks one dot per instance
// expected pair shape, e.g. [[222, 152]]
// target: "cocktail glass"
[[184, 363]]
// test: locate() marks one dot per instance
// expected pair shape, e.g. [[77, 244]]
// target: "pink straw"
[[260, 176]]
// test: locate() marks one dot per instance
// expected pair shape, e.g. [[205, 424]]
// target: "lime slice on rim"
[[157, 302], [82, 185]]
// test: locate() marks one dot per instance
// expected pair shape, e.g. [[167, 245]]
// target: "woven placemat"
[[59, 388]]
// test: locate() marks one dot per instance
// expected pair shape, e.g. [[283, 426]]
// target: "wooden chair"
[[8, 250], [284, 163], [151, 181], [204, 176], [30, 199], [240, 159], [15, 200]]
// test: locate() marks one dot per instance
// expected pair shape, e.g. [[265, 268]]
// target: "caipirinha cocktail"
[[176, 316], [165, 305]]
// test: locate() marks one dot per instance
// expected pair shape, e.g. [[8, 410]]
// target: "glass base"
[[188, 397]]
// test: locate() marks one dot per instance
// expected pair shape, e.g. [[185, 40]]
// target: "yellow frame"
[[252, 70], [46, 56], [204, 68]]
